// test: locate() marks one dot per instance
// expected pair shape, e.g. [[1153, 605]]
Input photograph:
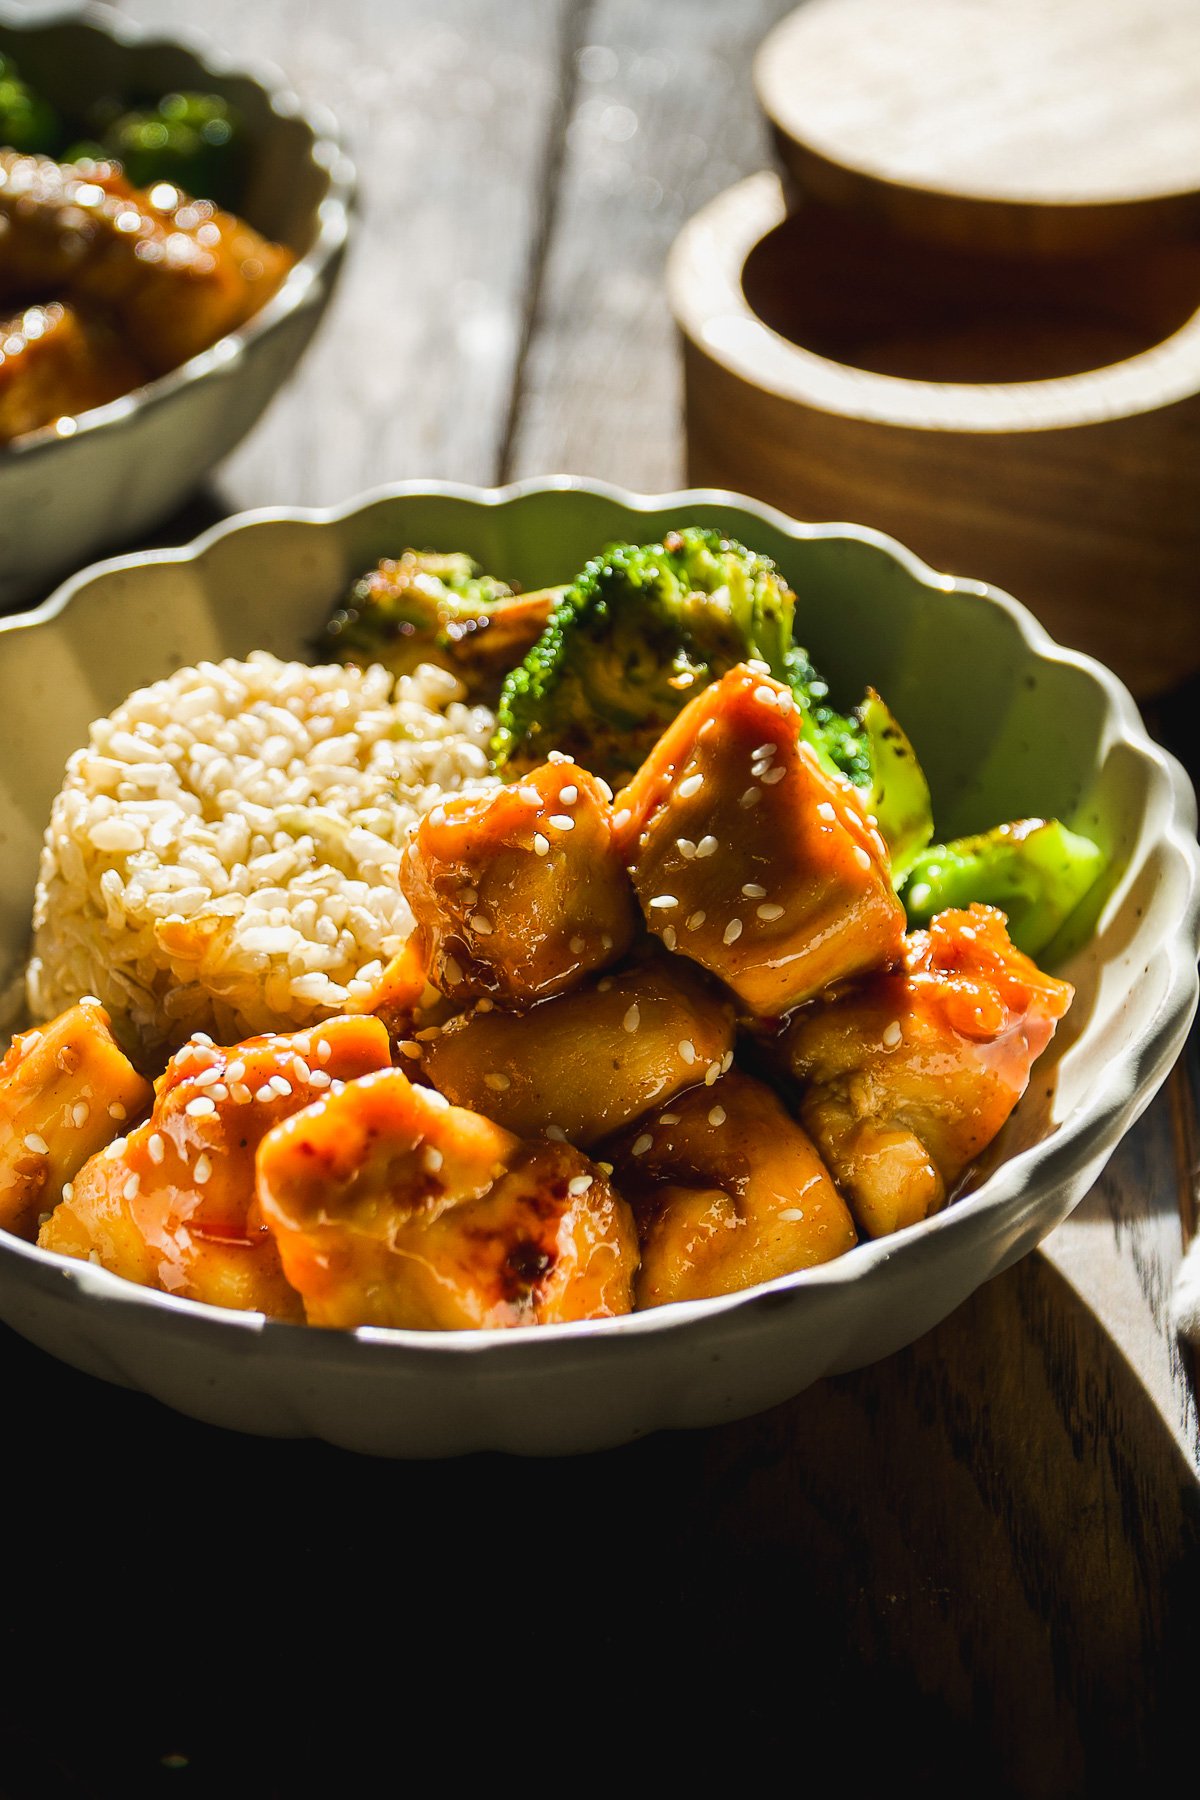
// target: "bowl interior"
[[892, 305], [1004, 730], [74, 61]]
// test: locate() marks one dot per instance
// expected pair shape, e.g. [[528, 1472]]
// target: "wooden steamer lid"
[[979, 327], [1045, 126]]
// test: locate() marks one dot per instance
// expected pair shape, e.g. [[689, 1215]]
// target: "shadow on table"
[[975, 1561]]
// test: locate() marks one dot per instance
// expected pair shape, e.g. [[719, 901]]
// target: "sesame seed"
[[431, 1096], [482, 924], [201, 1169], [603, 786], [218, 1091], [765, 694], [753, 890], [485, 1005], [707, 846], [770, 913], [562, 821], [81, 1112], [579, 1184], [733, 931], [633, 1018], [116, 1111], [430, 1032], [664, 901], [411, 1050], [757, 664], [770, 776], [264, 1093], [279, 1084], [116, 1148], [621, 819], [324, 1050], [695, 920], [432, 1159], [200, 1107], [530, 795], [240, 1094], [155, 1148], [892, 1035], [605, 1168], [669, 1119], [687, 1050], [603, 985], [578, 946], [783, 701], [235, 1070], [791, 1215], [606, 942], [717, 1116], [452, 970], [555, 1133], [767, 750], [68, 1193], [711, 1074], [751, 797], [727, 1062], [686, 848], [690, 786], [569, 794], [558, 756], [826, 812], [201, 1037], [641, 1145], [862, 857], [37, 1144], [668, 937], [320, 1078], [89, 1000], [212, 1073], [495, 1079], [541, 844], [130, 1190]]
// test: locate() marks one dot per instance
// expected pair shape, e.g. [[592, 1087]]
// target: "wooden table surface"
[[976, 1559]]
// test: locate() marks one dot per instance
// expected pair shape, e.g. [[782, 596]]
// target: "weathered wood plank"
[[662, 118]]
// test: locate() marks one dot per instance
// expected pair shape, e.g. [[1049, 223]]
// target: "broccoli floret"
[[642, 629], [439, 608], [193, 141], [1034, 870], [27, 122]]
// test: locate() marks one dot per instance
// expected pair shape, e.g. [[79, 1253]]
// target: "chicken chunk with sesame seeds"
[[727, 1190], [910, 1074], [172, 1205], [584, 1064], [520, 893], [174, 273], [751, 858], [392, 1208], [56, 361], [66, 1089]]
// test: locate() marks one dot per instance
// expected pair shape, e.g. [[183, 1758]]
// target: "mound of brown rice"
[[222, 855]]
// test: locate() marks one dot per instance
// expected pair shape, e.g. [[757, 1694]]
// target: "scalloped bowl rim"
[[300, 285], [1085, 1137]]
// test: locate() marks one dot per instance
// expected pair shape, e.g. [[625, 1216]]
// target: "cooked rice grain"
[[222, 855]]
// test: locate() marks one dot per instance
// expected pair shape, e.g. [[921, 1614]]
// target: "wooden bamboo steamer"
[[1010, 384]]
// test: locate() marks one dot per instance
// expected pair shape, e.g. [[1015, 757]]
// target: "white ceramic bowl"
[[1007, 724], [117, 469]]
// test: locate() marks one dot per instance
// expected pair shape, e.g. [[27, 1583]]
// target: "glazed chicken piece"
[[175, 273], [727, 1191], [66, 1089], [55, 362], [909, 1075], [519, 893], [752, 859], [391, 1207], [172, 1205], [584, 1064]]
